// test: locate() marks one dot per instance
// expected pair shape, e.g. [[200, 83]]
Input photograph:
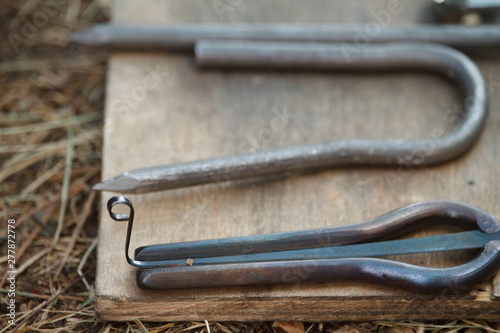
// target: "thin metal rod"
[[449, 242], [387, 226], [478, 40], [439, 59]]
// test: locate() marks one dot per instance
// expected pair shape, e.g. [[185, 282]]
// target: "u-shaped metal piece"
[[393, 56], [373, 57]]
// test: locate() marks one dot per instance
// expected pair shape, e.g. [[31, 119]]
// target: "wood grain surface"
[[160, 109]]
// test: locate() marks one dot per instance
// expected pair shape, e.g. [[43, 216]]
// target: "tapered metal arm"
[[386, 226]]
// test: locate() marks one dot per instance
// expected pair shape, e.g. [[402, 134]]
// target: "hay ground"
[[51, 111]]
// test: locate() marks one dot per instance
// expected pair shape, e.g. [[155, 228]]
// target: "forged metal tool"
[[327, 254], [321, 56], [477, 40]]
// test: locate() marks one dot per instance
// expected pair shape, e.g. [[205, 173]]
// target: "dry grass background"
[[51, 110]]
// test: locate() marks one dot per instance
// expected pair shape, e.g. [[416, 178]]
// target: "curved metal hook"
[[435, 58], [372, 57], [121, 217]]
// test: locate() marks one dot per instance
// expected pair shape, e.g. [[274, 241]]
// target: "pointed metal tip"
[[100, 187], [122, 184]]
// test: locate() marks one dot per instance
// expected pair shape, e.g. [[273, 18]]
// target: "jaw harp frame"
[[342, 253]]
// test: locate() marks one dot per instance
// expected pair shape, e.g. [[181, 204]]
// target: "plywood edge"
[[302, 308], [496, 287]]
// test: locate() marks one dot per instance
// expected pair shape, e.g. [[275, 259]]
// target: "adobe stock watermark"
[[226, 9], [11, 272], [28, 28], [365, 33], [130, 100], [265, 135], [407, 165], [255, 142]]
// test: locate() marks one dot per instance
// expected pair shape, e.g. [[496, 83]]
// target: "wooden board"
[[160, 109]]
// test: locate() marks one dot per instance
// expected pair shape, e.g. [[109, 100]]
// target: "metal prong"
[[123, 183]]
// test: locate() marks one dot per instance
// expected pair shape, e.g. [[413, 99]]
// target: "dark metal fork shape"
[[327, 254]]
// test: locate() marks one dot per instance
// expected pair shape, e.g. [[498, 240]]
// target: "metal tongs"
[[343, 253]]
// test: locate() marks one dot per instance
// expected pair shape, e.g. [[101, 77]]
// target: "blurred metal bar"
[[477, 40]]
